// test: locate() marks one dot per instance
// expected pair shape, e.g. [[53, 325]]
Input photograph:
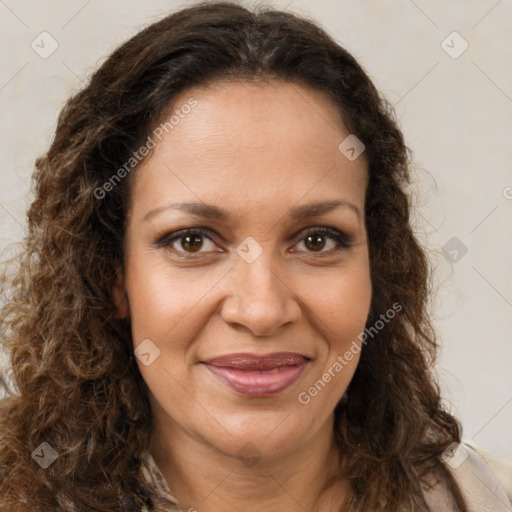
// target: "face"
[[246, 302]]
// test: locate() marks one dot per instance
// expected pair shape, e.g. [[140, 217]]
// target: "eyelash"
[[344, 242]]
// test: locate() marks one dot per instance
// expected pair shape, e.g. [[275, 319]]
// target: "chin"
[[261, 434], [253, 447]]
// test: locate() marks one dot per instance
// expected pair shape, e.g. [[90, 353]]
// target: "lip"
[[258, 375]]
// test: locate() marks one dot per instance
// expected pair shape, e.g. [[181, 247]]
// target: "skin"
[[257, 151]]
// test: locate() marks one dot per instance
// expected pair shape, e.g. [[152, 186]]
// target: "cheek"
[[342, 307], [341, 310], [161, 297], [341, 303], [169, 307], [347, 313]]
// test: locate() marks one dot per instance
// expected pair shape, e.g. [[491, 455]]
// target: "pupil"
[[316, 240], [194, 241]]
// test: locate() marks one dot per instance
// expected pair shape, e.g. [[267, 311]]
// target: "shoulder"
[[502, 468], [480, 488]]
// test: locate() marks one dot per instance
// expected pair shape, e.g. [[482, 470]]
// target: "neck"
[[202, 478]]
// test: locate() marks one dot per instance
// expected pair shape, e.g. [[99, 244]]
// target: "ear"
[[120, 297]]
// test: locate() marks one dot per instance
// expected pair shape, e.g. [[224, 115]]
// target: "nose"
[[259, 298]]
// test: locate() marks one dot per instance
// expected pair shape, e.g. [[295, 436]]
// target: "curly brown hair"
[[77, 384]]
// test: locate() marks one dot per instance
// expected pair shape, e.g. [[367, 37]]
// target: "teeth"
[[274, 370]]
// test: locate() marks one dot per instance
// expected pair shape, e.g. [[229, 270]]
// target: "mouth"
[[258, 376]]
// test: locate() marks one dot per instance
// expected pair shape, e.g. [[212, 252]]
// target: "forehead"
[[260, 115], [256, 141]]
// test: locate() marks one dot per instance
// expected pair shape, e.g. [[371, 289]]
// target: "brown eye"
[[315, 242], [191, 243], [187, 241]]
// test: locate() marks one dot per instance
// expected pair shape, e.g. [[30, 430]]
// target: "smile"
[[258, 376]]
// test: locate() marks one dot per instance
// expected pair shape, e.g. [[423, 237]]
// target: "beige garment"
[[480, 487], [502, 468]]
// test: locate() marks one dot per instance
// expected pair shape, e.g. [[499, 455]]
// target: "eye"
[[187, 241], [191, 241], [314, 240]]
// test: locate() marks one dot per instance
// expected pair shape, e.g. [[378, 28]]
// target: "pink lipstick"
[[258, 376]]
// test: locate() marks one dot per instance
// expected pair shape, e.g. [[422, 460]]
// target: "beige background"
[[456, 114]]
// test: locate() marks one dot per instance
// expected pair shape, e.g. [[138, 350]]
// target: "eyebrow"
[[208, 211]]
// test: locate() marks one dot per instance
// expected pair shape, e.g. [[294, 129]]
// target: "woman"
[[221, 304]]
